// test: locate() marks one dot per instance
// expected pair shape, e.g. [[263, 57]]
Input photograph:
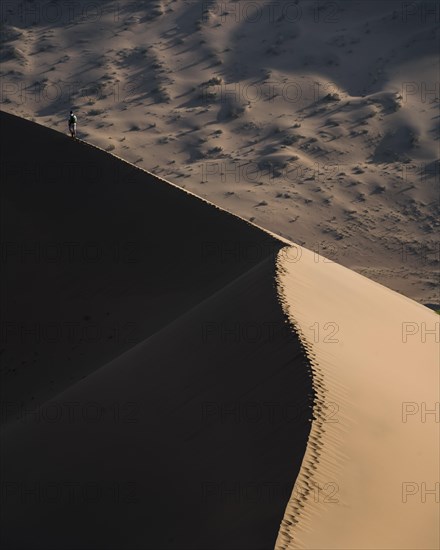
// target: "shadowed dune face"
[[187, 428], [106, 253]]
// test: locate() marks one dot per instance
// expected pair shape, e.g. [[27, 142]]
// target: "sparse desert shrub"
[[378, 189], [332, 97], [45, 47], [272, 50], [207, 95], [290, 139], [95, 112], [155, 11], [9, 33], [160, 94], [11, 52], [214, 81], [231, 108], [413, 139], [274, 168]]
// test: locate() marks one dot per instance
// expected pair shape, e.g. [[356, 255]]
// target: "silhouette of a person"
[[72, 124]]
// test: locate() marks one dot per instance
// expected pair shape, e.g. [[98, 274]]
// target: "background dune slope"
[[317, 120]]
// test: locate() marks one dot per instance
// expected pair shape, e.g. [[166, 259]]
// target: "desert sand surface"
[[370, 476], [285, 402], [213, 323], [317, 120]]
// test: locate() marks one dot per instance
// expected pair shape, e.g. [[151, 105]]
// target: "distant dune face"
[[318, 121]]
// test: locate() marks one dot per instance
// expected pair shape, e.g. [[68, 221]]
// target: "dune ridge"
[[80, 200], [320, 457], [369, 477], [192, 431], [332, 347]]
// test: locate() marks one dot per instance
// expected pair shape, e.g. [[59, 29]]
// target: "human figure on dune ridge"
[[72, 124]]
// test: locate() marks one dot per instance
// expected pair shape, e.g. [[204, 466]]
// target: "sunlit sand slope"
[[370, 476]]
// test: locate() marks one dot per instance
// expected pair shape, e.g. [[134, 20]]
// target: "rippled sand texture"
[[369, 478]]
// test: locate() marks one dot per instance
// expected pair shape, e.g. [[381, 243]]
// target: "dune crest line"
[[370, 472], [316, 458], [193, 399]]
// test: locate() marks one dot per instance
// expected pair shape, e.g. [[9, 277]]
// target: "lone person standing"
[[72, 124]]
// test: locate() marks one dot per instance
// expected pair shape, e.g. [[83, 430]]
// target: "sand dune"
[[186, 431], [196, 431], [192, 357], [370, 477], [89, 228]]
